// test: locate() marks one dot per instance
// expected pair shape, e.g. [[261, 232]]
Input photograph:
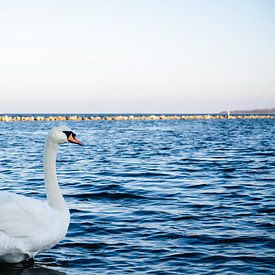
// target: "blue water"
[[153, 197]]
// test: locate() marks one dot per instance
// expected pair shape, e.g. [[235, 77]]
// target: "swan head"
[[63, 134]]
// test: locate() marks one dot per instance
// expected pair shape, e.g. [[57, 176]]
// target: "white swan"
[[29, 226]]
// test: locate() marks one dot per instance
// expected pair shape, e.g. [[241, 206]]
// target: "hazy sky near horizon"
[[126, 56]]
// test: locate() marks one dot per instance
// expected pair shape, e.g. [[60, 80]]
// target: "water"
[[153, 197]]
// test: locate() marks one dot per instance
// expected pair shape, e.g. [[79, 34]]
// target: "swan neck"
[[54, 195]]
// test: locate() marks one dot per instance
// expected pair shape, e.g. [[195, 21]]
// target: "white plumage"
[[29, 226]]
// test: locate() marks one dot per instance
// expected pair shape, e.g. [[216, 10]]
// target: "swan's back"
[[28, 226]]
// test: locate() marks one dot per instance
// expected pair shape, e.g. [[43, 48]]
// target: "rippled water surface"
[[153, 197]]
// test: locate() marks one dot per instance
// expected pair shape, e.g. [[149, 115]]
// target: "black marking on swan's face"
[[71, 137], [68, 133]]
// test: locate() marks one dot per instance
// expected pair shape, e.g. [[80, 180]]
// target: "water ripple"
[[154, 197]]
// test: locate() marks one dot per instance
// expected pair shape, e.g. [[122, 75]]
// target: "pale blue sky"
[[128, 56]]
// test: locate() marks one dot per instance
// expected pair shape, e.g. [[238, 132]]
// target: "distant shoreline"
[[265, 111], [121, 117]]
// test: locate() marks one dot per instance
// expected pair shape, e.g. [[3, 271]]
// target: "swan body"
[[29, 226]]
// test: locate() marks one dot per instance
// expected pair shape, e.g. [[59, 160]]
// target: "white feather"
[[29, 226]]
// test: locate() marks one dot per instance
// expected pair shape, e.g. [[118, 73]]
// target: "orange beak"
[[73, 139]]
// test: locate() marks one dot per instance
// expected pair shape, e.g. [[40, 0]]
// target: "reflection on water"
[[19, 269]]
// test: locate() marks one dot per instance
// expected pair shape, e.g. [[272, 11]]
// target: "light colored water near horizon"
[[153, 197]]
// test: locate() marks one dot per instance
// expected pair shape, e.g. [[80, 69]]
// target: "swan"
[[29, 226]]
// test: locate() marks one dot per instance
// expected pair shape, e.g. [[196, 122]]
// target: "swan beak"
[[73, 139]]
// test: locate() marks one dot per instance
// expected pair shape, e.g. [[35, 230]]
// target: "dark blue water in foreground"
[[153, 197]]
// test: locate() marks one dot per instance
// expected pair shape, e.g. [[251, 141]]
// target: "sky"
[[145, 56]]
